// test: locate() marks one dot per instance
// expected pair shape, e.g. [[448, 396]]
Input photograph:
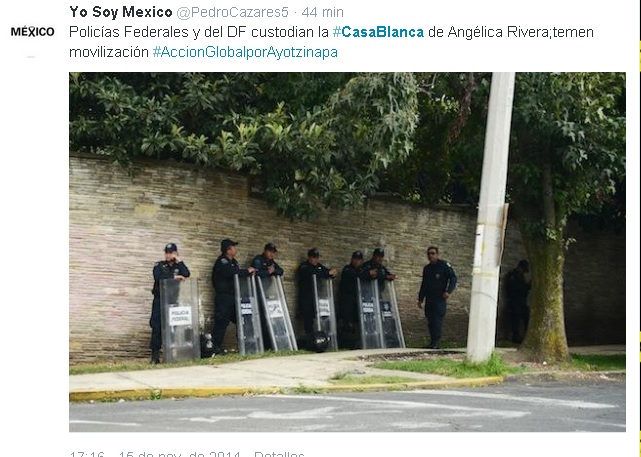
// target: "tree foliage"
[[569, 145], [310, 140]]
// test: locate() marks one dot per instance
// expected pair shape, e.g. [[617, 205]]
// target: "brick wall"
[[119, 224]]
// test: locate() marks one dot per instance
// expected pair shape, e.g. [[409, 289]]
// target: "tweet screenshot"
[[320, 228]]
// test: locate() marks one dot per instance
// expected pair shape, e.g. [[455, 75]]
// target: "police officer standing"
[[348, 301], [374, 269], [517, 287], [306, 303], [225, 268], [266, 266], [170, 268], [439, 281]]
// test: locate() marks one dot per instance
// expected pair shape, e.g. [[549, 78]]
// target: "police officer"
[[170, 268], [439, 281], [306, 304], [348, 301], [374, 269], [266, 266], [517, 287], [225, 268]]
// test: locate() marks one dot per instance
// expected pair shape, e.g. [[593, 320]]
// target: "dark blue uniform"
[[222, 276], [348, 294], [306, 302], [162, 270], [382, 272], [438, 278], [348, 307], [262, 263]]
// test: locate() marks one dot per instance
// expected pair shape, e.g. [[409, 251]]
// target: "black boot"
[[155, 356]]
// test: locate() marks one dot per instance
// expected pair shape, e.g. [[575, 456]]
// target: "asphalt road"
[[542, 407]]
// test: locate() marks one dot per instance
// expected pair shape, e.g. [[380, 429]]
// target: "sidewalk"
[[298, 373]]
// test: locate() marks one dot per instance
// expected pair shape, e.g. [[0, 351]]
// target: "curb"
[[183, 392], [172, 392], [469, 382]]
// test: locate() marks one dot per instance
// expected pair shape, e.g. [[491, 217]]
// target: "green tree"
[[566, 160], [309, 140]]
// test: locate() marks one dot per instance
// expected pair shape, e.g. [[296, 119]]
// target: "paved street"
[[518, 407]]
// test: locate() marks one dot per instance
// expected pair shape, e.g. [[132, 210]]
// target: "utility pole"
[[490, 226]]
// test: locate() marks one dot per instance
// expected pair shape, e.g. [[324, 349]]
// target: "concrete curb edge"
[[182, 392]]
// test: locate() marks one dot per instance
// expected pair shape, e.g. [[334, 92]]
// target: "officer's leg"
[[349, 335], [304, 342], [515, 320], [430, 315], [308, 323], [441, 309], [222, 317], [264, 325], [156, 336]]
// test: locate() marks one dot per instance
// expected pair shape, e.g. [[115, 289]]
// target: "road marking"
[[535, 400], [490, 413], [313, 427], [417, 425], [310, 414], [122, 424], [415, 405], [319, 413], [213, 419]]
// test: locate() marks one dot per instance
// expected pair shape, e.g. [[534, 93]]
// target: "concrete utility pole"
[[490, 228]]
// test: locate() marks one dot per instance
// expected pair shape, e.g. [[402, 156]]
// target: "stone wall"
[[119, 224]]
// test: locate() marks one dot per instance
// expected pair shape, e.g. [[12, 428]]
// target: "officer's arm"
[[451, 285], [322, 271], [423, 290], [364, 275], [388, 274], [156, 271], [242, 272], [278, 271], [226, 269], [182, 269]]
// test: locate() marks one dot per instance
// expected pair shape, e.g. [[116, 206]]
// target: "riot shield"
[[279, 324], [325, 311], [250, 338], [179, 319], [370, 315], [390, 318]]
